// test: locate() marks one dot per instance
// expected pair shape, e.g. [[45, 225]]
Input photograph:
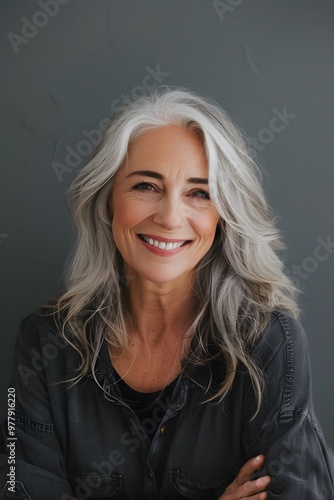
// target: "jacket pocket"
[[98, 486], [188, 487]]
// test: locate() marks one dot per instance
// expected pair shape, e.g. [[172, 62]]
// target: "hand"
[[242, 487]]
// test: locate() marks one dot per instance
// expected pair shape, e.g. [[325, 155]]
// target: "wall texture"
[[67, 63]]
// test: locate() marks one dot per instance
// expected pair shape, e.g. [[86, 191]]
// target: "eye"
[[143, 186], [199, 193]]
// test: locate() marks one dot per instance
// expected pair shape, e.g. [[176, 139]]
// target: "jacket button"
[[162, 430]]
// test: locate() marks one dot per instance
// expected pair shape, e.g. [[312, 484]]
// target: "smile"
[[162, 245]]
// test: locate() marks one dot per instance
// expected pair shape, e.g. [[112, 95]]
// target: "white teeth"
[[161, 244]]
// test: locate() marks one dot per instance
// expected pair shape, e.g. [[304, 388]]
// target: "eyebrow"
[[156, 175]]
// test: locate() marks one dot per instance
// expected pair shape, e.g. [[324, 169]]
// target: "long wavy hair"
[[237, 284]]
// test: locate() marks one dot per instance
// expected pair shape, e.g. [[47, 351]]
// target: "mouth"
[[164, 245]]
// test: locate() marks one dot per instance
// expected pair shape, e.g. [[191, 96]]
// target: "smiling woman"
[[179, 366], [162, 207], [162, 227]]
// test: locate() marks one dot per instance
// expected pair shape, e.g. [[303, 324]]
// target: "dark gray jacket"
[[84, 441]]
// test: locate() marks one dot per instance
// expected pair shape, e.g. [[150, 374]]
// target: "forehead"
[[170, 145]]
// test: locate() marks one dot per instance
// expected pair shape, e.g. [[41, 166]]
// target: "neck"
[[158, 312]]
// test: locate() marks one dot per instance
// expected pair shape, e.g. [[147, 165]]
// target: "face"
[[163, 219]]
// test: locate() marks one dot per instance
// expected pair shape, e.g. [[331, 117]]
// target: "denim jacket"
[[81, 440]]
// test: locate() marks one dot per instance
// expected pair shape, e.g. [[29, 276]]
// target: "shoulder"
[[281, 352], [283, 336], [38, 323], [40, 334]]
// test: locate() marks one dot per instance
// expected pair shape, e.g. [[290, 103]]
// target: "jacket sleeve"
[[32, 465], [286, 430]]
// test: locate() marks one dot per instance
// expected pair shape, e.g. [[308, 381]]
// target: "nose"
[[170, 213]]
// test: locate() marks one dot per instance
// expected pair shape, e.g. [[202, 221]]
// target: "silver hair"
[[237, 284]]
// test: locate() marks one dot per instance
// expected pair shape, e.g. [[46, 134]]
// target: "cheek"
[[207, 225], [129, 213]]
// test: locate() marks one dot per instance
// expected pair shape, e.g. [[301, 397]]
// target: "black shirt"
[[146, 405]]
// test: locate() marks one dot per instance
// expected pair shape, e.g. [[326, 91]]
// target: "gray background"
[[64, 77]]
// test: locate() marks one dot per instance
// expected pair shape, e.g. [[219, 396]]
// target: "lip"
[[164, 240], [160, 251]]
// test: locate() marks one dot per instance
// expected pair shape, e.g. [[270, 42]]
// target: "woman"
[[174, 365]]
